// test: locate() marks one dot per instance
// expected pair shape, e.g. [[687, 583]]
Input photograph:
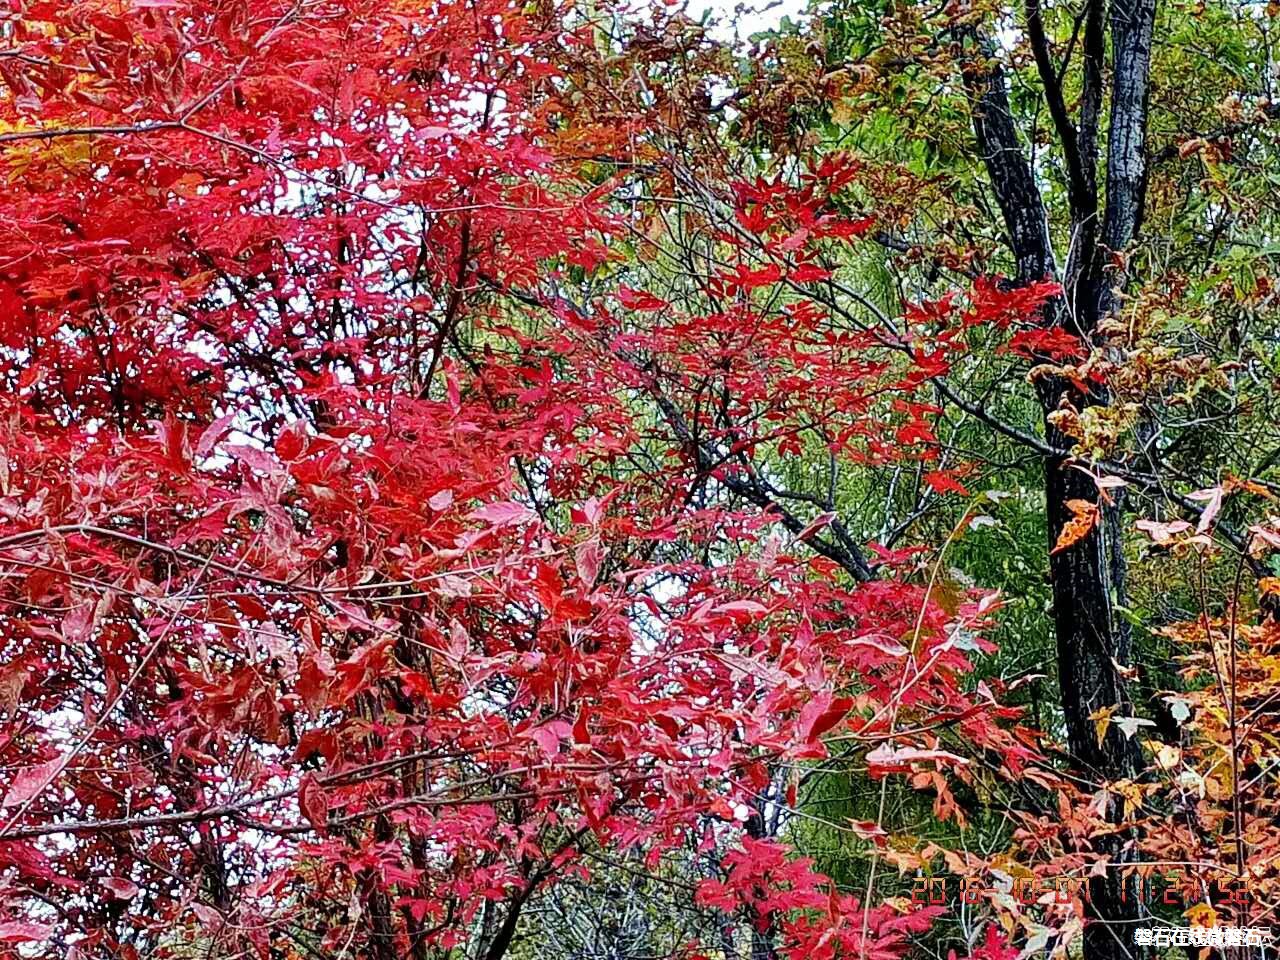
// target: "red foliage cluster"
[[335, 603]]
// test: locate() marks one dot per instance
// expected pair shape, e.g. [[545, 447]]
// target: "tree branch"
[[1265, 115], [1078, 183]]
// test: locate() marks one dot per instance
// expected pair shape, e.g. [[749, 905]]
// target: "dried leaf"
[[1084, 516]]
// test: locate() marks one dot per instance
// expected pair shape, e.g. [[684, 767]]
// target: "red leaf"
[[580, 732], [549, 735], [828, 718], [944, 482], [845, 229], [120, 888], [870, 830], [503, 514], [996, 946], [24, 931], [313, 802], [291, 442], [213, 433], [640, 300], [1053, 344], [741, 606], [808, 273], [749, 279], [30, 782], [588, 557], [819, 522]]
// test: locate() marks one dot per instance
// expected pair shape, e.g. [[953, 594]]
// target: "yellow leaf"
[[1201, 915], [1272, 666], [1132, 794], [1101, 721]]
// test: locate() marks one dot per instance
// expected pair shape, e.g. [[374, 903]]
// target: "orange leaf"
[[1084, 516]]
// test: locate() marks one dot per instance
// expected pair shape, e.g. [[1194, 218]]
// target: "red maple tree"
[[360, 578]]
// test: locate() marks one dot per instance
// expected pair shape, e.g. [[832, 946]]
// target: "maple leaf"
[[995, 946], [503, 514], [748, 279], [120, 888], [549, 735], [291, 442], [30, 781], [1084, 517], [640, 300], [24, 931], [741, 606], [887, 757], [944, 482], [1102, 721], [808, 273], [820, 522], [870, 830], [313, 802], [1053, 344], [588, 556], [820, 715]]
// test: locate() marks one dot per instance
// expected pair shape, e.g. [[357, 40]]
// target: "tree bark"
[[1087, 578]]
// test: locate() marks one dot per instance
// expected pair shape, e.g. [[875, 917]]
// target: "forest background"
[[570, 480]]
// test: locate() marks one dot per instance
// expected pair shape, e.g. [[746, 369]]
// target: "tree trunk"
[[1087, 578]]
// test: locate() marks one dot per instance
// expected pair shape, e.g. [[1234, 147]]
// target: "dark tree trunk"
[[1012, 179], [1093, 644], [1087, 578]]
